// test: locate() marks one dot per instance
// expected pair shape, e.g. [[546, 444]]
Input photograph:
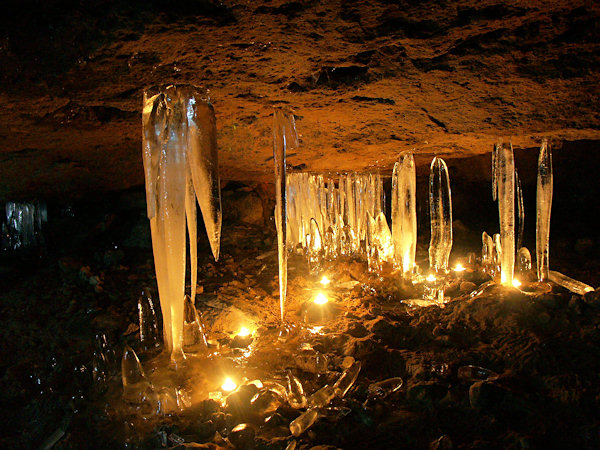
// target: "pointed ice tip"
[[131, 368]]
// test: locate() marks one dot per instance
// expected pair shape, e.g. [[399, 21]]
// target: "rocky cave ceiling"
[[366, 81]]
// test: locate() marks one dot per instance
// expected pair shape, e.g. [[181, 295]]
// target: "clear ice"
[[404, 213], [194, 340], [322, 397], [520, 210], [284, 137], [505, 179], [544, 208], [180, 160], [569, 283], [383, 388], [23, 225], [347, 379], [303, 422], [523, 260], [135, 384], [487, 253], [149, 336], [295, 392], [440, 211]]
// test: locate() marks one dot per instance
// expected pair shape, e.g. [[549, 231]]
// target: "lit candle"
[[229, 385], [325, 281], [244, 332], [431, 278], [516, 283], [459, 268], [320, 299]]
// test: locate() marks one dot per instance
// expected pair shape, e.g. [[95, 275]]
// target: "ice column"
[[180, 160], [440, 211], [284, 137], [544, 208], [404, 212], [505, 179]]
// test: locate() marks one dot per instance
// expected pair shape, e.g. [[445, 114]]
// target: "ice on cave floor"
[[194, 339], [303, 422], [23, 226], [136, 388], [523, 260], [108, 352], [295, 392], [472, 373], [170, 400], [180, 159], [505, 178], [383, 388], [440, 212], [100, 371], [544, 208], [285, 138], [315, 247], [487, 254], [520, 210], [404, 213], [266, 402], [311, 361], [497, 251], [149, 335], [347, 379], [569, 283], [322, 397]]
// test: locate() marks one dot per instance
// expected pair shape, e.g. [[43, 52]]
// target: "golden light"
[[431, 278], [459, 268], [320, 299], [228, 385], [244, 332], [325, 281], [316, 330], [516, 283]]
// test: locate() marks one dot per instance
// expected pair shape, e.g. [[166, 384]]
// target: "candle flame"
[[431, 278], [516, 283], [228, 385], [244, 332], [459, 268], [320, 299], [325, 281]]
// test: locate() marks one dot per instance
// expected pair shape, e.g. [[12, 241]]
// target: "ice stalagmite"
[[284, 137], [404, 212], [520, 210], [544, 208], [505, 166], [180, 163], [440, 211]]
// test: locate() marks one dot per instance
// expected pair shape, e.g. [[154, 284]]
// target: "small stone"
[[242, 436]]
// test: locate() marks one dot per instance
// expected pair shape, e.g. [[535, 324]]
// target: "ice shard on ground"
[[440, 210], [284, 138], [404, 212], [505, 178], [544, 208], [180, 159], [569, 283]]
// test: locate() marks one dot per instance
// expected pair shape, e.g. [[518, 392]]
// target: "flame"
[[228, 385], [325, 281], [459, 268], [320, 299], [516, 283], [244, 332], [431, 278]]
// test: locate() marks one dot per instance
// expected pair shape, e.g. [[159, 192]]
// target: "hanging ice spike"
[[505, 179], [440, 211], [404, 213]]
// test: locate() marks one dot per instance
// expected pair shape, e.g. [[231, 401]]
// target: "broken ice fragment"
[[295, 394], [347, 379], [322, 397], [303, 422], [311, 361], [149, 336], [506, 209], [523, 260], [440, 210], [475, 373], [384, 388], [266, 402], [135, 385], [569, 283], [194, 340], [544, 208], [404, 213]]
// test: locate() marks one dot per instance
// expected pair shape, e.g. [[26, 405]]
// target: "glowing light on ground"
[[228, 385], [516, 283], [325, 281], [431, 278], [459, 268], [320, 299], [244, 332]]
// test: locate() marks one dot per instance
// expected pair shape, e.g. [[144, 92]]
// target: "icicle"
[[301, 423], [440, 210], [497, 252], [295, 394], [135, 384], [569, 283], [523, 260], [487, 251], [495, 173], [190, 214], [149, 336], [383, 239], [544, 208], [315, 246], [404, 213], [284, 138], [506, 209], [520, 210], [347, 379], [194, 340]]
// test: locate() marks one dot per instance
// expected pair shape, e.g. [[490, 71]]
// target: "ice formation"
[[149, 336], [23, 225], [544, 208], [285, 137], [523, 260], [569, 283], [180, 163], [404, 213], [520, 210], [505, 180], [440, 211]]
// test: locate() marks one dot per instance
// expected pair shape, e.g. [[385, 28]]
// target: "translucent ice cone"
[[295, 394], [347, 379], [194, 340], [135, 385], [523, 260], [149, 336], [404, 213], [440, 211], [506, 208], [544, 208]]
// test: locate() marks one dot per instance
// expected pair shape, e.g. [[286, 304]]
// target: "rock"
[[242, 436], [486, 396], [426, 394]]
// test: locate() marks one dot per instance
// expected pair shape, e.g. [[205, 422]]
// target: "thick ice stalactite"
[[440, 210], [180, 163], [544, 208], [284, 138], [505, 178], [404, 212]]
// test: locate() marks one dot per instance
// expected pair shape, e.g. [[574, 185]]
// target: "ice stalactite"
[[440, 211], [404, 213], [180, 163], [285, 137], [544, 208], [23, 227], [505, 179], [520, 210]]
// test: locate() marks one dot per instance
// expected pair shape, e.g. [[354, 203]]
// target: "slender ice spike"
[[347, 379], [544, 208], [192, 227], [284, 137], [303, 422], [149, 336], [383, 239], [135, 383], [315, 246], [487, 250], [497, 252], [520, 210], [295, 394], [194, 340], [506, 209], [569, 283], [440, 210], [495, 173], [404, 213]]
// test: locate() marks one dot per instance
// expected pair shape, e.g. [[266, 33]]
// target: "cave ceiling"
[[366, 80]]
